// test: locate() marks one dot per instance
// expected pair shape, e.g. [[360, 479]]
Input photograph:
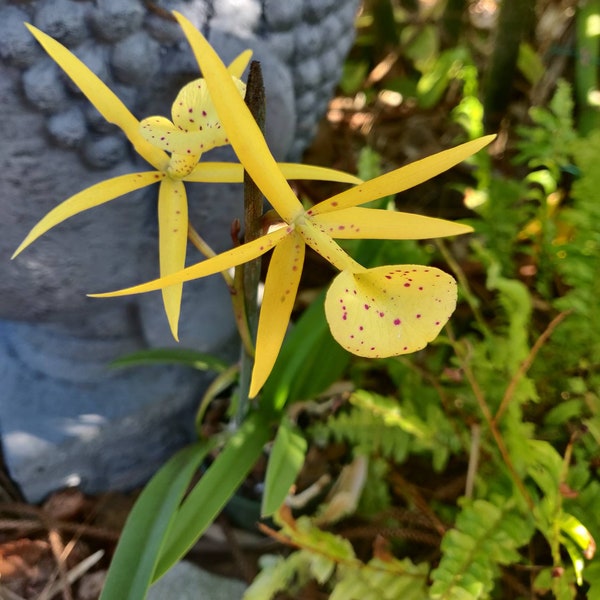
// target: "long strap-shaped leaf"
[[212, 492], [130, 573]]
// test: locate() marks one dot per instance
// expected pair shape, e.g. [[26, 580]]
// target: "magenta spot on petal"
[[397, 321], [405, 348], [361, 328], [372, 348], [367, 307], [341, 227], [382, 314], [407, 285], [437, 322], [418, 316], [345, 317], [420, 288]]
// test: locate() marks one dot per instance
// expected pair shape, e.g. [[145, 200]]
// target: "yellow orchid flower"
[[378, 312], [195, 129]]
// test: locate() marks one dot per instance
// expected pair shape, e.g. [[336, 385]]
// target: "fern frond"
[[486, 536], [380, 579]]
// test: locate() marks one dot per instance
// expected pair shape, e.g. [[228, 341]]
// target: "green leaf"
[[215, 488], [287, 458], [134, 561], [309, 362], [180, 356]]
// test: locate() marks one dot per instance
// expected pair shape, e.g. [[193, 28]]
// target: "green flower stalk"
[[385, 311]]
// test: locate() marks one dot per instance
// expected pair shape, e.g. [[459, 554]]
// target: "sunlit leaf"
[[285, 462]]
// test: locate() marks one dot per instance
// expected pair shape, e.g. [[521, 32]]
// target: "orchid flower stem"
[[200, 245], [239, 308], [253, 209]]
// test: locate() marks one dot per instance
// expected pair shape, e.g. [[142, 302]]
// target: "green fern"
[[329, 559], [485, 537], [379, 579], [380, 426]]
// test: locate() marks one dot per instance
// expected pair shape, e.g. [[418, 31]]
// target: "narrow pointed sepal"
[[390, 310], [89, 198], [403, 178], [210, 266], [100, 95], [281, 286], [229, 172], [244, 134], [372, 223], [238, 65], [172, 230]]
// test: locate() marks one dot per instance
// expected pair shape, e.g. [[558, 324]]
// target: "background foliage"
[[482, 450]]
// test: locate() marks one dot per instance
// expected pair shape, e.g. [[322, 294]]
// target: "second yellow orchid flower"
[[377, 312]]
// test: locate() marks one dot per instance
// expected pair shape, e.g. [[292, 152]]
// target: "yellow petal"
[[244, 134], [172, 237], [92, 196], [210, 266], [194, 110], [163, 134], [281, 286], [403, 178], [371, 223], [222, 172], [325, 245], [101, 96], [238, 65], [312, 172], [390, 310]]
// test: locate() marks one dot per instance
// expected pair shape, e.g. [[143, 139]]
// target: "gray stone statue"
[[66, 417]]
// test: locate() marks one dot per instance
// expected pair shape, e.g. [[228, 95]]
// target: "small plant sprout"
[[378, 312], [194, 130]]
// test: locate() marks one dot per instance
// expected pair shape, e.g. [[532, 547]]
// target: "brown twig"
[[487, 415], [526, 364]]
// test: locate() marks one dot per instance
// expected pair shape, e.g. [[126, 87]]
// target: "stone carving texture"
[[65, 417]]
